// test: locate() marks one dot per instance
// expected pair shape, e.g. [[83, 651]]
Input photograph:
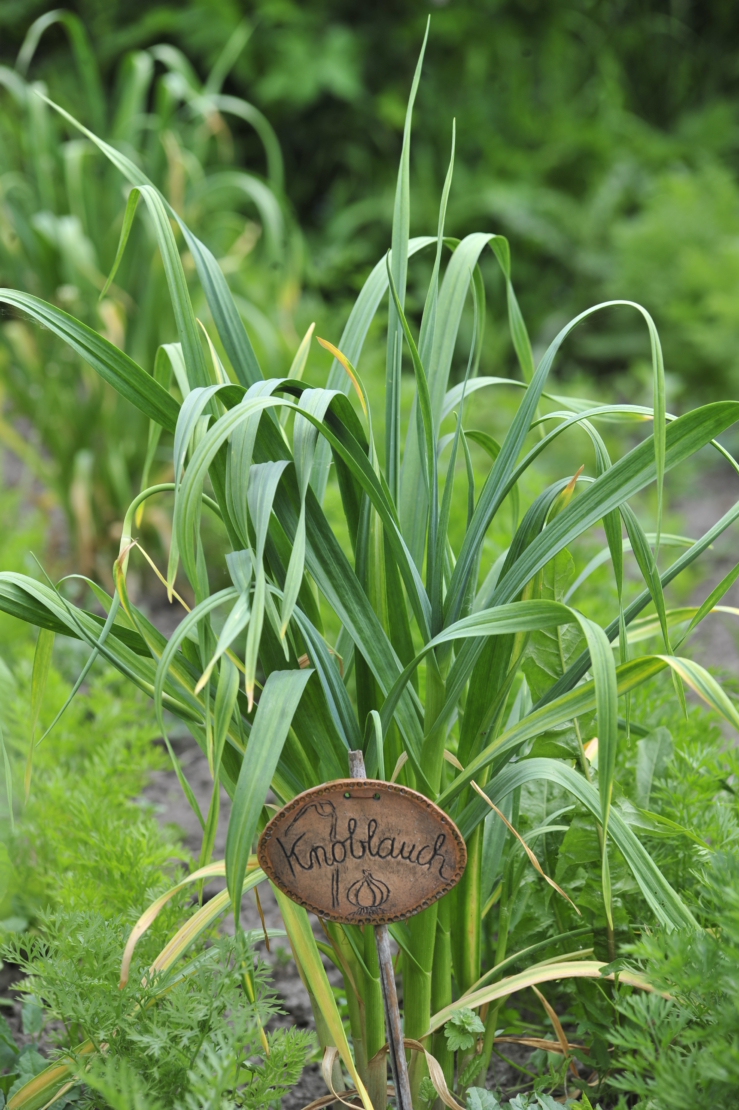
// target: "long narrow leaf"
[[277, 705]]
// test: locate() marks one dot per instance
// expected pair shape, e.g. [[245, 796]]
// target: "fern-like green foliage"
[[680, 1052], [184, 1040], [83, 839], [86, 846]]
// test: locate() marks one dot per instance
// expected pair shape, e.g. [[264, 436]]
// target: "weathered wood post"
[[393, 1027]]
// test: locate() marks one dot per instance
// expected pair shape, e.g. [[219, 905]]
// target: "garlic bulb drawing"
[[368, 894]]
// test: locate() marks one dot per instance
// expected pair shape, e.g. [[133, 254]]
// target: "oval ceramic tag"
[[362, 850]]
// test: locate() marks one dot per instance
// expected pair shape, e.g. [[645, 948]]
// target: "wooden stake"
[[387, 982]]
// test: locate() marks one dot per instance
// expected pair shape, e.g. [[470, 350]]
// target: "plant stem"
[[355, 1005], [433, 745], [585, 764], [441, 986], [374, 1020]]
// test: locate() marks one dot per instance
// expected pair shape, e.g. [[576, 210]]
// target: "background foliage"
[[601, 135]]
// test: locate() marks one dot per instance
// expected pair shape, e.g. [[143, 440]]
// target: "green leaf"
[[225, 703], [128, 218], [337, 698], [480, 1099], [631, 473], [653, 753], [165, 360], [115, 367], [713, 598], [277, 705], [351, 343], [530, 616], [549, 653], [461, 272], [458, 1039], [8, 782], [187, 330], [217, 293], [39, 675], [399, 264], [83, 53], [580, 666]]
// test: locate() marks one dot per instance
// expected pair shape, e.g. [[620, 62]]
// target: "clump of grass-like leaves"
[[61, 215], [454, 667]]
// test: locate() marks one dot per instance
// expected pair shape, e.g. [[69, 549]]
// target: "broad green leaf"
[[277, 705]]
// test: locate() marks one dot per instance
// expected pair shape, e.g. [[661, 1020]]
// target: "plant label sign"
[[362, 850]]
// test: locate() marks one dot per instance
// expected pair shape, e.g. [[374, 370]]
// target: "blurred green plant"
[[82, 839], [22, 528], [463, 672], [576, 119], [60, 215]]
